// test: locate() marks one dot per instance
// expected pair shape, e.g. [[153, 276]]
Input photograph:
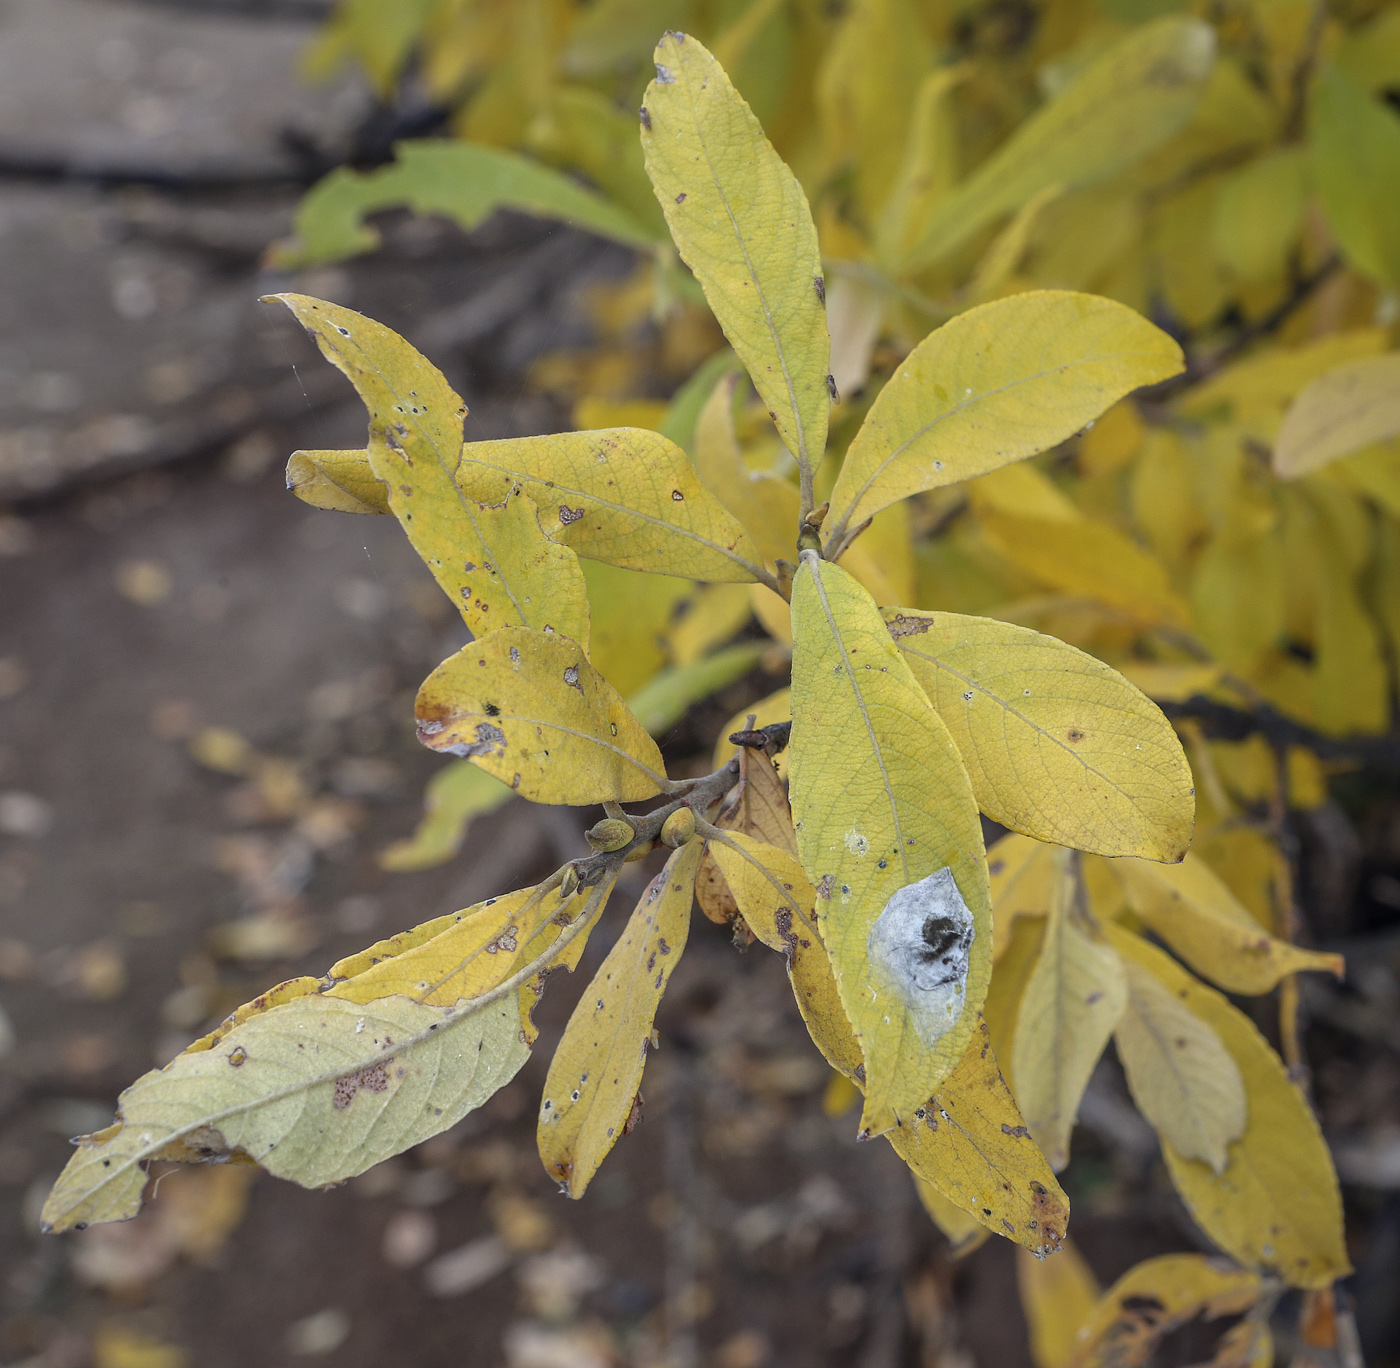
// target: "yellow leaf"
[[970, 1143], [1181, 1076], [1264, 382], [1022, 491], [478, 949], [529, 708], [1155, 1297], [1276, 1207], [1258, 214], [1338, 413], [963, 1230], [865, 121], [776, 900], [590, 1094], [995, 272], [1197, 915], [888, 828], [629, 614], [741, 223], [454, 797], [1016, 962], [341, 481], [707, 617], [766, 505], [1072, 1002], [1058, 745], [495, 564], [1021, 875], [928, 171], [1057, 1295], [622, 495], [1145, 87], [1112, 441], [117, 1346], [1091, 560], [1171, 683], [993, 385]]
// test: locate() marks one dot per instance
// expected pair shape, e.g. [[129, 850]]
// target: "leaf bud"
[[612, 833], [636, 853], [568, 885], [679, 827]]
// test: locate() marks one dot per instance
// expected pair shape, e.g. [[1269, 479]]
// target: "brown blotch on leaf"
[[375, 1079], [902, 625]]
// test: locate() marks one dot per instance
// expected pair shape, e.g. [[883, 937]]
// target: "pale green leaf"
[[528, 707], [886, 826], [1338, 413], [995, 384], [668, 696], [1276, 1207], [494, 563], [741, 223], [1058, 745], [455, 796], [1072, 1001], [1182, 1078], [463, 181], [1355, 149]]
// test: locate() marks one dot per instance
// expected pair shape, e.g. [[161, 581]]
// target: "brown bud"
[[679, 827], [612, 833]]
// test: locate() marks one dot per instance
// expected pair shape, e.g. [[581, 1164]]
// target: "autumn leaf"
[[1072, 1002], [741, 223], [1181, 1076], [1193, 910], [494, 563], [1058, 745], [889, 834], [1057, 1295], [1152, 1299], [528, 708], [1339, 413], [590, 1095], [1276, 1207], [996, 384]]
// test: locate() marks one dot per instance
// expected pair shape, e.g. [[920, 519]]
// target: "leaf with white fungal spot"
[[1058, 745], [622, 495], [888, 831], [529, 708], [590, 1094], [741, 223], [1181, 1076], [493, 562], [970, 1143], [1072, 1001]]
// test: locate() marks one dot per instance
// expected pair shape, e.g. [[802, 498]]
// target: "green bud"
[[612, 833], [678, 828], [569, 884]]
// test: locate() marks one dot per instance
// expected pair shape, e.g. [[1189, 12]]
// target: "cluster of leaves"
[[1228, 542]]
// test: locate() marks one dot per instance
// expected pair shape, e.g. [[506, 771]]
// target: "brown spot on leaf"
[[569, 515], [375, 1079], [902, 625]]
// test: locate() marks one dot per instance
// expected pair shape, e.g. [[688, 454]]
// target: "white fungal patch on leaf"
[[856, 843], [921, 943]]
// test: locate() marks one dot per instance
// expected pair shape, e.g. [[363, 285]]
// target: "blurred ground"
[[156, 582]]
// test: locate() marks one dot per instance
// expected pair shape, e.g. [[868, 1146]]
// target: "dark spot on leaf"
[[491, 709]]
